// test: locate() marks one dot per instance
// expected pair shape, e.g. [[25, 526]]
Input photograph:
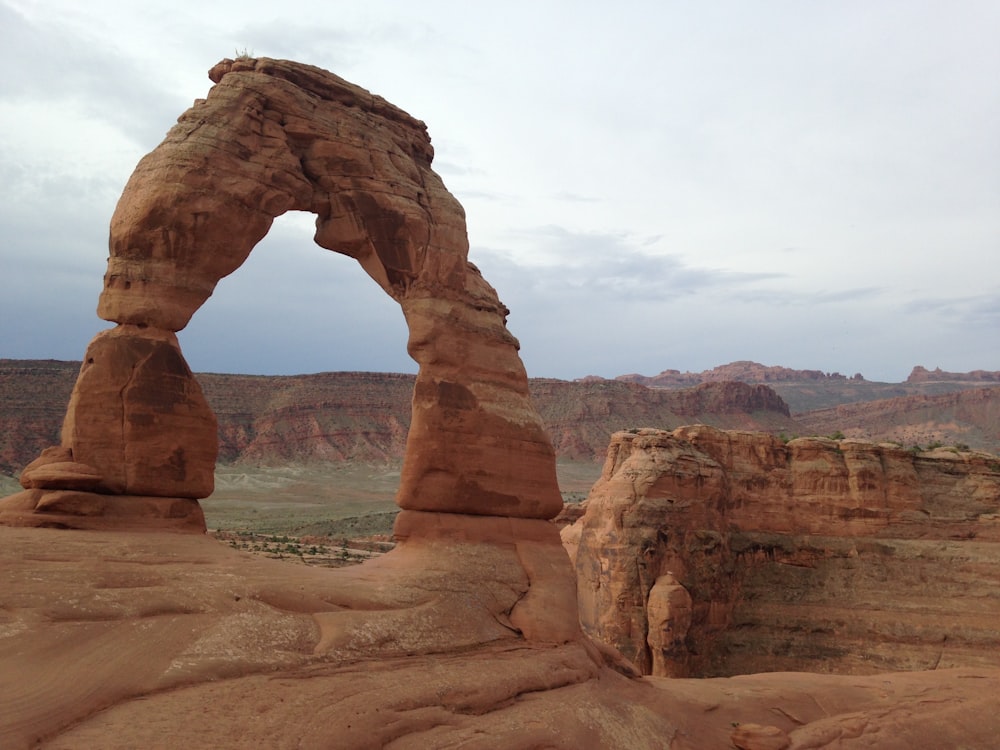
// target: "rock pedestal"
[[138, 443], [668, 609]]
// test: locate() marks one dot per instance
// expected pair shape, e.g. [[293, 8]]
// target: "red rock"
[[744, 371], [668, 611], [55, 469], [270, 137], [120, 640], [76, 509], [138, 416], [466, 634], [923, 375], [819, 554], [476, 564]]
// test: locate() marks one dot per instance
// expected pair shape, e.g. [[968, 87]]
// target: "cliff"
[[358, 416], [704, 552], [743, 371], [968, 417], [340, 416], [808, 390], [581, 416], [33, 398], [923, 375]]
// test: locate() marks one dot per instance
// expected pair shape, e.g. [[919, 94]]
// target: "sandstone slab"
[[124, 639]]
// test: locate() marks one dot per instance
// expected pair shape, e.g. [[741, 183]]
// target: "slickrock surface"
[[118, 640], [818, 555]]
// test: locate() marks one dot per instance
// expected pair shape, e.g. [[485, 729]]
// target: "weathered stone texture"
[[134, 640], [274, 136], [817, 555]]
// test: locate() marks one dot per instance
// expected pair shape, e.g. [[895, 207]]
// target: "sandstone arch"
[[272, 136]]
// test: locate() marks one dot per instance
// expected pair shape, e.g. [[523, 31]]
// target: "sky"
[[648, 185]]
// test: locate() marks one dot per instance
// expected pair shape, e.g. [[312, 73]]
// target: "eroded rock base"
[[124, 639]]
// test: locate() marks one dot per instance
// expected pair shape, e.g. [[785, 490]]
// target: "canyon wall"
[[705, 552], [923, 375], [365, 416], [966, 417], [743, 371]]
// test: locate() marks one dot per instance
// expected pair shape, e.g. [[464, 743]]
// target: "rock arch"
[[272, 136]]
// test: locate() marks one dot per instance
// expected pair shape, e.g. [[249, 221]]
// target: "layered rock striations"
[[581, 416], [923, 375], [967, 417], [324, 418], [476, 560], [364, 416], [817, 554], [809, 390], [274, 136], [743, 371]]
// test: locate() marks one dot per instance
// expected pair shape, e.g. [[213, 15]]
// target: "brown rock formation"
[[476, 564], [274, 136], [118, 640], [967, 417], [365, 416], [581, 416], [820, 555], [668, 614], [744, 372], [139, 415], [922, 375], [138, 440]]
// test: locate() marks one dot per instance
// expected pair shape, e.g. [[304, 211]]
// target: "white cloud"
[[647, 185]]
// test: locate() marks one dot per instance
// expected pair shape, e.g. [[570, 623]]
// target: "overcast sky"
[[648, 185]]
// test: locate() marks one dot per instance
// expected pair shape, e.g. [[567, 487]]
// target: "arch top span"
[[274, 136]]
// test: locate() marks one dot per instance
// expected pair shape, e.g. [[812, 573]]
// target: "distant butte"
[[744, 372]]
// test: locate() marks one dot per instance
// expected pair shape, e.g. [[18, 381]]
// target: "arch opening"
[[292, 308]]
